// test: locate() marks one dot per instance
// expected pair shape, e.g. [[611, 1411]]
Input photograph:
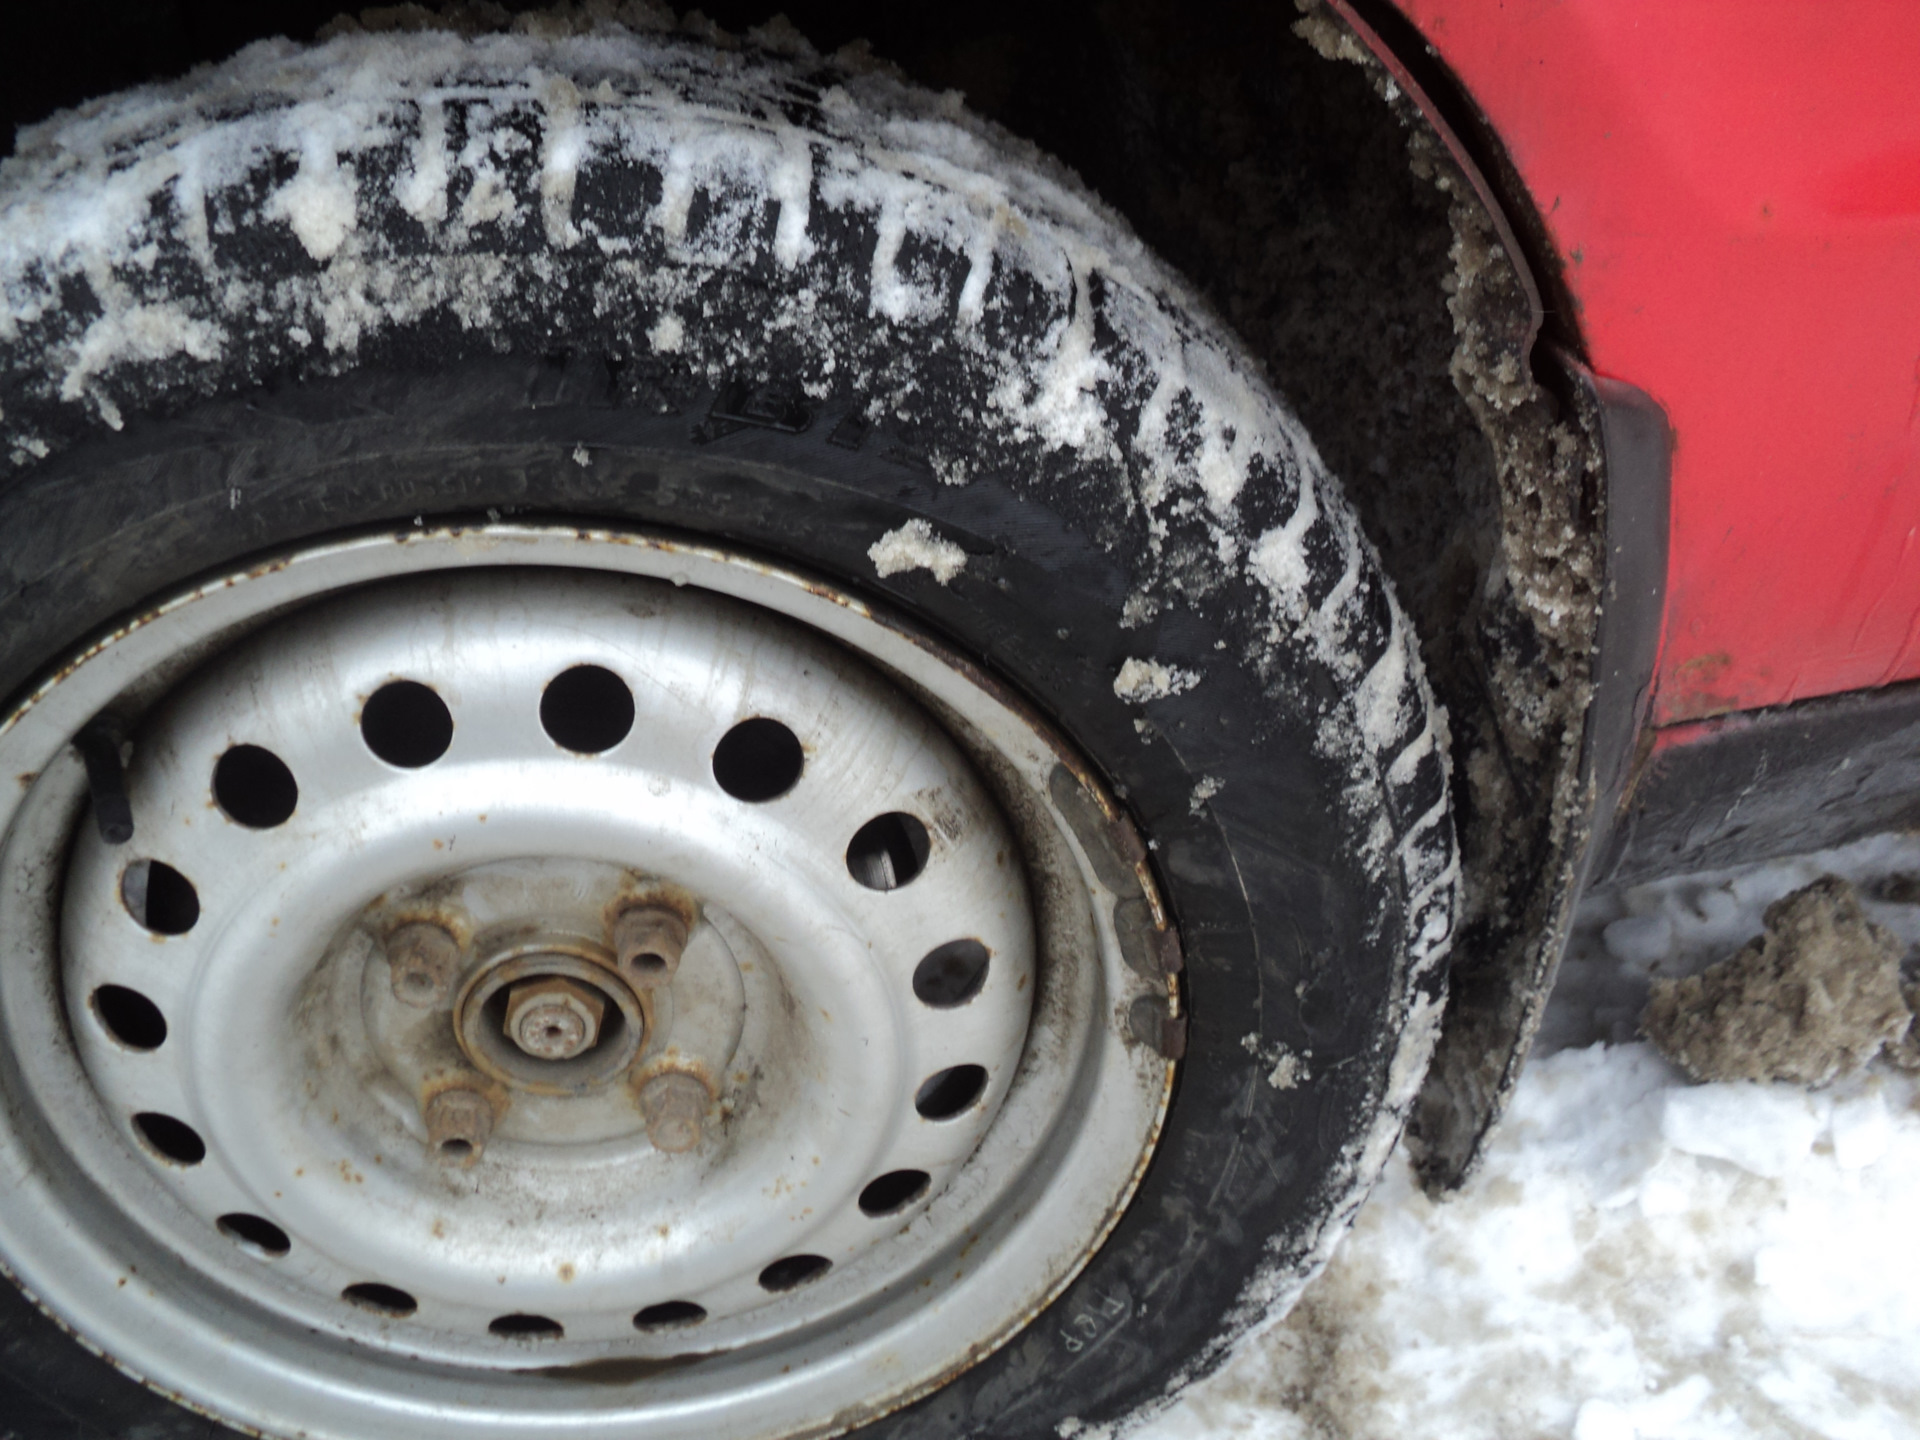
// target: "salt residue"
[[914, 546], [1142, 680]]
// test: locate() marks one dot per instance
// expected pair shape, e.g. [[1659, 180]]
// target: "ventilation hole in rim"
[[587, 709], [254, 787], [952, 974], [255, 1233], [792, 1271], [758, 759], [893, 1191], [169, 1138], [381, 1299], [945, 1095], [130, 1017], [159, 897], [406, 724], [669, 1313], [888, 851], [527, 1327]]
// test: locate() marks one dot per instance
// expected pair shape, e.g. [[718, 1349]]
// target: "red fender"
[[1733, 191]]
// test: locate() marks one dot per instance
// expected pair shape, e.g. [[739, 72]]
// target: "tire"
[[620, 281]]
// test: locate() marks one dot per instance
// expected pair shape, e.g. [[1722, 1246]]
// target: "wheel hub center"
[[550, 1014], [554, 1018]]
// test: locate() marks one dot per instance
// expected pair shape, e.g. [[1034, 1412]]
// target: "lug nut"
[[459, 1121], [674, 1105], [422, 957], [647, 941], [554, 1018]]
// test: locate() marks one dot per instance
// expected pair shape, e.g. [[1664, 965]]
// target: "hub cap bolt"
[[423, 958], [647, 941], [458, 1124], [674, 1105], [554, 1018]]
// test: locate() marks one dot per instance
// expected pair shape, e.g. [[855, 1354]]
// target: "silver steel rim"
[[782, 1187]]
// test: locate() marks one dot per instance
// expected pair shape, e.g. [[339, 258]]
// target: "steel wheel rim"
[[284, 1386]]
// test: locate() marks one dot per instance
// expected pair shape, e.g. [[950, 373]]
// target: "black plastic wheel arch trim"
[[1493, 1021]]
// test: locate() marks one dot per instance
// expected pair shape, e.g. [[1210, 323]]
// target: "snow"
[[1640, 1257], [667, 334], [320, 203], [1382, 712], [1207, 787], [1289, 1068], [914, 546], [1766, 1130], [1678, 927], [1142, 680], [151, 332]]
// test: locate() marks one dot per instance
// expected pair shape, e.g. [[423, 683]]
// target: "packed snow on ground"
[[1640, 1257]]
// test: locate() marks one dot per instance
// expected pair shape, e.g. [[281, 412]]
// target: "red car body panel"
[[1734, 193]]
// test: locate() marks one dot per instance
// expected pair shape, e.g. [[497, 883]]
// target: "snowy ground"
[[1640, 1257]]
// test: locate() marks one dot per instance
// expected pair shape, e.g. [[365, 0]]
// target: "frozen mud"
[[1510, 651], [1815, 997]]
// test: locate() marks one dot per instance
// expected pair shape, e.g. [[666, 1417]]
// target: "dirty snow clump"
[[914, 546], [1142, 680], [1816, 996]]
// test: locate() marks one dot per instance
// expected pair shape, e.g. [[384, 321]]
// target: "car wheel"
[[691, 755]]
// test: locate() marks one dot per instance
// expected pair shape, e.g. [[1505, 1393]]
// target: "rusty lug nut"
[[554, 1018], [422, 957], [459, 1121], [647, 941], [674, 1105]]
